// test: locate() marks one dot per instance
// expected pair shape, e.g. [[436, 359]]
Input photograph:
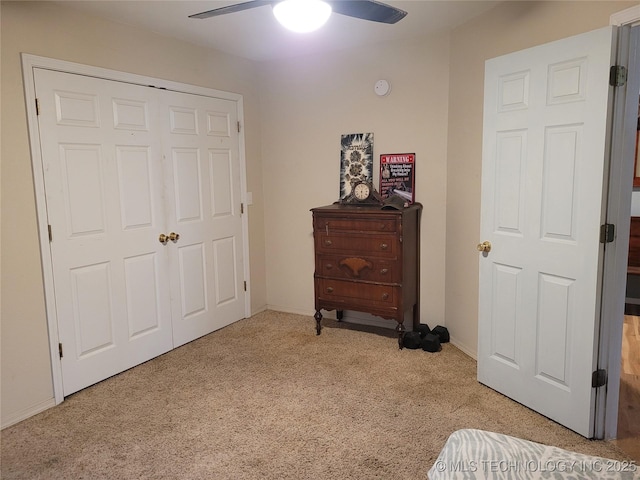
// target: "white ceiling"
[[256, 35]]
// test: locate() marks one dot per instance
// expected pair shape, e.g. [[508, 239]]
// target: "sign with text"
[[397, 175]]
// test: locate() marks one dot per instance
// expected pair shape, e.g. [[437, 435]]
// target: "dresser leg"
[[339, 315], [400, 329], [318, 317]]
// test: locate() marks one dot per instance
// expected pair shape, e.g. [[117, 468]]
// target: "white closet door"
[[103, 182], [122, 165], [203, 188]]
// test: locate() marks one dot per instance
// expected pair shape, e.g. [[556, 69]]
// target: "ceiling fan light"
[[302, 16]]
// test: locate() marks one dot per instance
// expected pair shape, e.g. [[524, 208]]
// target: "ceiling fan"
[[364, 9]]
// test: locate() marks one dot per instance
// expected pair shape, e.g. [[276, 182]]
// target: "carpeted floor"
[[265, 398]]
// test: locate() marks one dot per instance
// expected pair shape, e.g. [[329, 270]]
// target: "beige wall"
[[49, 30], [307, 103], [295, 112], [507, 28]]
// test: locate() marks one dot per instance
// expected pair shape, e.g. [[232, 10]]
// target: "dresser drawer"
[[355, 293], [330, 224], [358, 268], [358, 244]]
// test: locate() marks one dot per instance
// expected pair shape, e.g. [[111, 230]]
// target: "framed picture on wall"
[[356, 160]]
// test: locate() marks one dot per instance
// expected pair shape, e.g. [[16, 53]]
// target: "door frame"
[[618, 213], [31, 62]]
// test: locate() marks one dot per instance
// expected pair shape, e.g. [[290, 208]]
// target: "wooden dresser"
[[367, 259]]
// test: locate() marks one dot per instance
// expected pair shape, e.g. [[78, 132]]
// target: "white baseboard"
[[280, 308], [464, 349], [27, 412], [349, 316], [259, 310]]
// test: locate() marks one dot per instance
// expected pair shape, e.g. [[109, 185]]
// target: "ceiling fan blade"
[[363, 9], [238, 7], [368, 10]]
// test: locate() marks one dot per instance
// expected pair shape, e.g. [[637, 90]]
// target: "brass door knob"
[[484, 246], [174, 237], [163, 238]]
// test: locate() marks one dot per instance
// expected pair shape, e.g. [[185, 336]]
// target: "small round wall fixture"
[[382, 88]]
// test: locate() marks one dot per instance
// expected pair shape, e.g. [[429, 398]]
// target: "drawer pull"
[[329, 289], [384, 271], [355, 264], [328, 243], [329, 266], [384, 246], [385, 296], [382, 226]]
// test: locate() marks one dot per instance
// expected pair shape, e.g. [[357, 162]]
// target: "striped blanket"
[[476, 454]]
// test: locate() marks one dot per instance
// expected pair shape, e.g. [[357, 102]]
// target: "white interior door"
[[543, 172], [203, 183], [103, 180], [123, 164]]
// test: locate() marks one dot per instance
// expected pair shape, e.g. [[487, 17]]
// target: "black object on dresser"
[[367, 259]]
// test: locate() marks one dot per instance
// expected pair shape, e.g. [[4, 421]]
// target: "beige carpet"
[[265, 398]]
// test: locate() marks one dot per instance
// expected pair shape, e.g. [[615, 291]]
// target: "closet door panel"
[[205, 211], [102, 160]]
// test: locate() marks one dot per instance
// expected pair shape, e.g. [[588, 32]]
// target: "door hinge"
[[617, 76], [238, 126], [242, 209], [245, 285], [37, 107], [50, 233], [60, 350], [599, 378], [607, 233]]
